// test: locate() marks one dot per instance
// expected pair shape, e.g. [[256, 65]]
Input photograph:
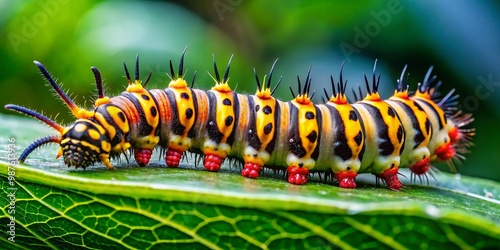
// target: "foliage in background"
[[459, 38]]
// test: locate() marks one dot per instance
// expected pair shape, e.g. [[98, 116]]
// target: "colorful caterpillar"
[[369, 136]]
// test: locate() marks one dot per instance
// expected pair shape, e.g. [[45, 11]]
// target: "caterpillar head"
[[83, 143]]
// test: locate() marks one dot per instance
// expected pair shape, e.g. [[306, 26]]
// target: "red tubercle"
[[251, 170], [212, 163], [173, 157], [142, 156], [303, 99], [374, 97], [445, 152], [454, 135], [421, 167], [402, 94], [390, 177], [346, 179], [297, 175], [339, 99]]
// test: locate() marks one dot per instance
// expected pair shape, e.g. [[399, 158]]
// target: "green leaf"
[[187, 207]]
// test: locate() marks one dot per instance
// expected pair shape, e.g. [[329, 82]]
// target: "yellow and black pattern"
[[178, 114], [262, 115], [299, 137], [418, 129]]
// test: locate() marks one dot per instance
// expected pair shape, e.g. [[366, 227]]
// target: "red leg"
[[454, 135], [390, 177], [421, 167], [142, 156], [346, 179], [297, 175], [173, 157], [251, 170], [445, 152], [212, 162]]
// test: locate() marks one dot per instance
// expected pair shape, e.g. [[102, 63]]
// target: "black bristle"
[[181, 63], [438, 84], [312, 95], [376, 84], [402, 80], [326, 95], [257, 79], [192, 82], [277, 84], [367, 84], [307, 85], [137, 68], [226, 75], [334, 91], [299, 85], [291, 90], [126, 72], [271, 74], [425, 85], [126, 158], [342, 85], [217, 76], [354, 94], [374, 77], [98, 82], [172, 72], [147, 79]]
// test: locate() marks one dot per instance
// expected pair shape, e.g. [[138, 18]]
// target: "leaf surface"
[[157, 207]]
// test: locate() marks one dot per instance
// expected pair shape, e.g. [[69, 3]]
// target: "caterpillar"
[[299, 137]]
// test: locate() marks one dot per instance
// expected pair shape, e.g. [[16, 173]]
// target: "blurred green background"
[[460, 38]]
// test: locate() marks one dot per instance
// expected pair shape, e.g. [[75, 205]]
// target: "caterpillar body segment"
[[383, 140], [222, 114], [417, 127], [177, 105], [369, 136], [259, 125], [302, 134], [443, 143], [384, 136], [342, 127]]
